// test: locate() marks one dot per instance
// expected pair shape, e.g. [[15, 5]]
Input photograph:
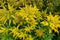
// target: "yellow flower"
[[54, 22], [29, 38], [39, 33], [22, 35], [2, 30], [29, 15], [3, 16], [27, 29], [45, 23], [15, 32], [11, 9], [18, 34], [54, 27]]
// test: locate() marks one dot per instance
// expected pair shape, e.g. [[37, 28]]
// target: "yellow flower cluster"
[[18, 34], [28, 15], [53, 22], [39, 32], [2, 15], [29, 38], [21, 35], [2, 30], [28, 29], [28, 19], [45, 23]]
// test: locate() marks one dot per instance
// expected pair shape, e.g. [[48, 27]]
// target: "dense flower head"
[[39, 33], [53, 22], [20, 34], [28, 15]]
